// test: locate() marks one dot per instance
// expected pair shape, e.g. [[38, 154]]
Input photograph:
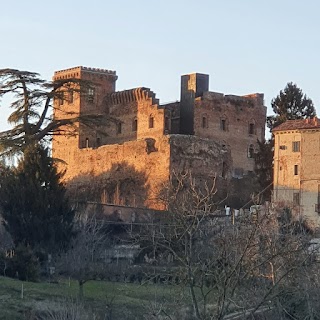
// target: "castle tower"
[[192, 86], [89, 100]]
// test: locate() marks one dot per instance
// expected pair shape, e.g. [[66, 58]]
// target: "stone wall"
[[232, 120]]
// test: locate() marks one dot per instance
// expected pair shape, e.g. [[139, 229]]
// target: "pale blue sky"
[[245, 46]]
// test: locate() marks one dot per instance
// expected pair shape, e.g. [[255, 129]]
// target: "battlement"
[[132, 95], [251, 99], [75, 72]]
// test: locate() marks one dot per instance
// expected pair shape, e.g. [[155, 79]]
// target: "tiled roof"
[[300, 124]]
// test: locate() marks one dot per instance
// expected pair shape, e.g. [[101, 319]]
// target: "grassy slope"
[[129, 300]]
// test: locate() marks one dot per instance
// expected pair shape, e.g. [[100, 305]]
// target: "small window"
[[204, 122], [119, 128], [296, 169], [296, 198], [166, 123], [98, 142], [151, 122], [60, 99], [251, 128], [223, 124], [90, 97], [87, 142], [296, 146], [135, 125], [251, 151], [70, 96]]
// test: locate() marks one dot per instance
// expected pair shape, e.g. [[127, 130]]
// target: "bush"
[[24, 265]]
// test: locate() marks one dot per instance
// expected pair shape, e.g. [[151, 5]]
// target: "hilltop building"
[[296, 166], [206, 132]]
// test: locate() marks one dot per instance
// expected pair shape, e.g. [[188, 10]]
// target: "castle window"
[[134, 125], [60, 99], [98, 142], [251, 151], [223, 124], [204, 122], [90, 96], [119, 128], [296, 146], [224, 170], [87, 142], [296, 198], [251, 128], [70, 96], [296, 169], [151, 122], [166, 123]]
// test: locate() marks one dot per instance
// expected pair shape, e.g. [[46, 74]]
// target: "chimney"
[[315, 121]]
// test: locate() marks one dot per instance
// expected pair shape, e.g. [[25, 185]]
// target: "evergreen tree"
[[32, 199], [32, 104], [290, 104]]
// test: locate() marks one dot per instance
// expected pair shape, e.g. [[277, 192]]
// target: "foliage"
[[32, 200], [290, 104], [263, 166], [23, 264], [32, 103]]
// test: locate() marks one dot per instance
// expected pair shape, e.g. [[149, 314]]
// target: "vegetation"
[[33, 106], [35, 211]]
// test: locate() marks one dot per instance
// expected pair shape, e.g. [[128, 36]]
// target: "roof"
[[300, 124]]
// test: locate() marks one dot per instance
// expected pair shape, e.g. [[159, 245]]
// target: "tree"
[[233, 269], [33, 102], [263, 167], [83, 259], [290, 104], [32, 200]]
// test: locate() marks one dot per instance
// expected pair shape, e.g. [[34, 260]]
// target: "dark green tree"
[[263, 167], [32, 200], [32, 103], [290, 104]]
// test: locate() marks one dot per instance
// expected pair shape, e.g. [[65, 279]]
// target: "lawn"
[[123, 300]]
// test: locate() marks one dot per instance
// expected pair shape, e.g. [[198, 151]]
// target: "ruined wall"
[[233, 120], [204, 158], [148, 156]]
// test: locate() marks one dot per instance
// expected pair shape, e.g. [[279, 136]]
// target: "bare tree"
[[232, 268], [83, 261]]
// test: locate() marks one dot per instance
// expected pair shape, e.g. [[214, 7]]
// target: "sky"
[[245, 46]]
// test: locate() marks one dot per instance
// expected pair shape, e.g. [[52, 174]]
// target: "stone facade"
[[296, 166], [206, 132]]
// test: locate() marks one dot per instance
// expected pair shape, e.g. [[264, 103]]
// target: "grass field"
[[123, 300]]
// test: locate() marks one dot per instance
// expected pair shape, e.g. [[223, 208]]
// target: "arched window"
[[151, 121], [224, 123], [252, 127], [135, 124], [204, 121], [87, 143], [251, 151], [166, 123]]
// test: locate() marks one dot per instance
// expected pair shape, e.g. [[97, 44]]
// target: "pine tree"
[[35, 209], [290, 104]]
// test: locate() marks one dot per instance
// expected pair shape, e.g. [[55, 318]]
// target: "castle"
[[206, 132]]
